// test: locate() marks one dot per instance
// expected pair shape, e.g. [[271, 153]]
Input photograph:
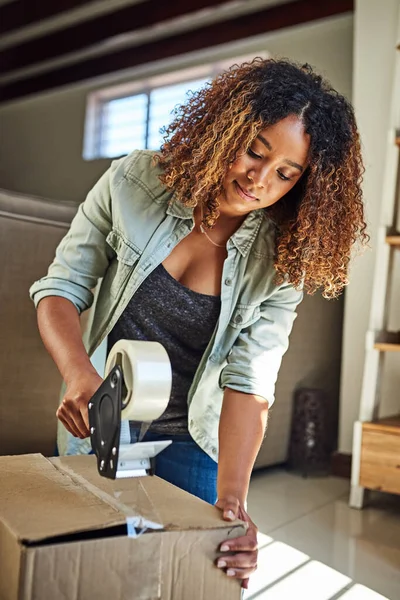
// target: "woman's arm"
[[60, 329], [241, 431], [249, 381]]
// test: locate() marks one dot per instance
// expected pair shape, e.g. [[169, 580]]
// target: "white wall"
[[374, 54], [42, 136]]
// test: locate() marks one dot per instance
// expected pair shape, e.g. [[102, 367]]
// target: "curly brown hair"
[[319, 220]]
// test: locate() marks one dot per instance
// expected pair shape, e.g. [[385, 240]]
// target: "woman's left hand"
[[243, 562]]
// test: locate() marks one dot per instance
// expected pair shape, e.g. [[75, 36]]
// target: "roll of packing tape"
[[147, 375]]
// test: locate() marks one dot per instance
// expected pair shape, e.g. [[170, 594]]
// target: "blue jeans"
[[184, 464]]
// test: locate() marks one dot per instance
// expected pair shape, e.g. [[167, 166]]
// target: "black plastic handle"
[[105, 422]]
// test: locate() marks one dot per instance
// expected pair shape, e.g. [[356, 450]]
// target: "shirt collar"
[[242, 239], [177, 209]]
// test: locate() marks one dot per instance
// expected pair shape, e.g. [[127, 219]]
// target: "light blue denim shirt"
[[128, 224]]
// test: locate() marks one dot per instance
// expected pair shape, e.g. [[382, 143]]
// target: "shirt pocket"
[[126, 257], [244, 315]]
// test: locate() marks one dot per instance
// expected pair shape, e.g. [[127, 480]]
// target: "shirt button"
[[191, 422], [214, 451], [228, 281], [238, 319]]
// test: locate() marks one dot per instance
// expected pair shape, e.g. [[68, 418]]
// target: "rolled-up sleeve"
[[82, 256], [255, 359]]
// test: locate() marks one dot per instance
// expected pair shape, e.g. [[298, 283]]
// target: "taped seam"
[[89, 487]]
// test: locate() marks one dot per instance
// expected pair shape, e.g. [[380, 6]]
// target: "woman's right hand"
[[73, 411]]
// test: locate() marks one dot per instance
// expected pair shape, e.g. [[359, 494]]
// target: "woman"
[[206, 247]]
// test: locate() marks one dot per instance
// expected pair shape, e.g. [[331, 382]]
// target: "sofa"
[[30, 229]]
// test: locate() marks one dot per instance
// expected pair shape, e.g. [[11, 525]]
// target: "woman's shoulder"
[[264, 243], [140, 168]]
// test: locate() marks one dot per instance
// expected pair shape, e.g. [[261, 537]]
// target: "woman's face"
[[274, 163]]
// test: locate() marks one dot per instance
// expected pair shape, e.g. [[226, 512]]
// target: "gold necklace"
[[202, 229]]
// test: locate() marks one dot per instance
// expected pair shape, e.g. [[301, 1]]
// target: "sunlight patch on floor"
[[263, 540], [360, 592], [275, 561], [285, 573]]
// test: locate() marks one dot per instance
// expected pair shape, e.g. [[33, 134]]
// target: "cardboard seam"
[[151, 502], [159, 590], [83, 483], [79, 575], [174, 528], [27, 568]]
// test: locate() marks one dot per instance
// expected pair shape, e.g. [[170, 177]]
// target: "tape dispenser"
[[137, 387]]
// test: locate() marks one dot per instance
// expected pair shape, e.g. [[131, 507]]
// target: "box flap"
[[150, 497], [38, 501], [42, 498]]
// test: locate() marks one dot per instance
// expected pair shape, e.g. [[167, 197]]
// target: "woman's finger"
[[244, 560], [85, 417], [245, 583], [72, 414], [74, 421], [68, 423], [230, 508], [246, 543], [240, 573], [80, 423]]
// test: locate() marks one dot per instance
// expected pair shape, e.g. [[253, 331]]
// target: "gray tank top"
[[183, 321]]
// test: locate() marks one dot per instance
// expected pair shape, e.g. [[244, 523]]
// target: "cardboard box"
[[63, 535]]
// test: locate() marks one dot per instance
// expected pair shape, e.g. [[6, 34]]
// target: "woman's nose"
[[259, 177]]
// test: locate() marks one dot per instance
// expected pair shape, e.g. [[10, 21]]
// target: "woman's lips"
[[246, 196]]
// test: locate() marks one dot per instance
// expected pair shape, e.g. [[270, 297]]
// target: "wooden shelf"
[[388, 341], [393, 240], [380, 452], [383, 347], [387, 424]]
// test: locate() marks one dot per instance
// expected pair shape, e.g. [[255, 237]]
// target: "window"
[[128, 117], [134, 122]]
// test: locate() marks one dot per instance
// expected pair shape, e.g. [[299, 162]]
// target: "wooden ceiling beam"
[[98, 31], [271, 19], [21, 13]]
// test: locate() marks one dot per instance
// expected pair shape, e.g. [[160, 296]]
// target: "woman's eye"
[[282, 176], [251, 153]]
